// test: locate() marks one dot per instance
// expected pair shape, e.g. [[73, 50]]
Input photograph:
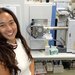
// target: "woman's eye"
[[11, 22], [1, 25]]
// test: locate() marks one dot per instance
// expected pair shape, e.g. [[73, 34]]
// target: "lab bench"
[[44, 62], [60, 56]]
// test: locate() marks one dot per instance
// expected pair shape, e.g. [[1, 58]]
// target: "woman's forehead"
[[4, 17]]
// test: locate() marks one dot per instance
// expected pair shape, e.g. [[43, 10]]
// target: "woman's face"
[[8, 27]]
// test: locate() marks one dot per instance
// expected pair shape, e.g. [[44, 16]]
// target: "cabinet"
[[71, 36]]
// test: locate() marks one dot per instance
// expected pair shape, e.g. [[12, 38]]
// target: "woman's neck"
[[12, 41]]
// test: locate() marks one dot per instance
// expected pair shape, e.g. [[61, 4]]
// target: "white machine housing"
[[41, 13]]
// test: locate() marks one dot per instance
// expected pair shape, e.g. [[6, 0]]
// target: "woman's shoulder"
[[18, 41]]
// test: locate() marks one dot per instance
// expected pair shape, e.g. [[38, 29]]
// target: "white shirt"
[[22, 59]]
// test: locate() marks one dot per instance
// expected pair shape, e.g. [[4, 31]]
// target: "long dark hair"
[[7, 59], [18, 35]]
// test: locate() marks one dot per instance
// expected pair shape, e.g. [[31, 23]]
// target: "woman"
[[11, 37]]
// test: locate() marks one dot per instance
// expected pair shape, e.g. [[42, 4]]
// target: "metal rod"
[[56, 28]]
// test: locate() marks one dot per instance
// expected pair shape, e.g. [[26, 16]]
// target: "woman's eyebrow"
[[11, 20]]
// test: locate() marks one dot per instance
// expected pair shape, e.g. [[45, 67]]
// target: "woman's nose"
[[9, 28]]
